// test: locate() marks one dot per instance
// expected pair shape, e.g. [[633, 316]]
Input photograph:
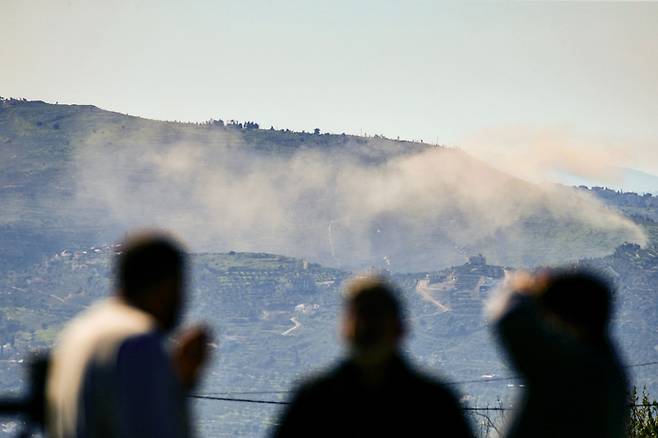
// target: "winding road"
[[422, 287], [293, 328]]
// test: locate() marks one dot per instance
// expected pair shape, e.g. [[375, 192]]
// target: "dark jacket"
[[405, 404], [574, 388]]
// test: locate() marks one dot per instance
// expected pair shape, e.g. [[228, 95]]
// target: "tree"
[[643, 419], [316, 131]]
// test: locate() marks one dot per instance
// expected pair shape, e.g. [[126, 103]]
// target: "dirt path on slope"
[[293, 328], [422, 287]]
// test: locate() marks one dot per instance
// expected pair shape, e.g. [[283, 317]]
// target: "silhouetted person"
[[374, 392], [111, 374], [554, 329]]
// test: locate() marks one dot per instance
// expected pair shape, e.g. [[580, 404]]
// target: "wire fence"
[[465, 408], [221, 396]]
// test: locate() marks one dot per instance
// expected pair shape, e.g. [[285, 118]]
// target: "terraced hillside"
[[275, 318], [72, 176]]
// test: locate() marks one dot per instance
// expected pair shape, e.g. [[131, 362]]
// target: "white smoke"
[[355, 205], [540, 155]]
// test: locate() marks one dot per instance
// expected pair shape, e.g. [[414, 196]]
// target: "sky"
[[501, 80]]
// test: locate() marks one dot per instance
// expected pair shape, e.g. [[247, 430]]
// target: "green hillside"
[[37, 167], [276, 319], [73, 176]]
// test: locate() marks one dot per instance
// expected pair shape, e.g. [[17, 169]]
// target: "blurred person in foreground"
[[111, 372], [374, 392], [554, 328]]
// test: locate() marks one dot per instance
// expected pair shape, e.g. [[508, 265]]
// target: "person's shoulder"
[[83, 325], [84, 336], [321, 383], [431, 386], [432, 396], [109, 318]]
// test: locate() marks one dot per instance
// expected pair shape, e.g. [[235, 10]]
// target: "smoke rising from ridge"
[[539, 155], [349, 206]]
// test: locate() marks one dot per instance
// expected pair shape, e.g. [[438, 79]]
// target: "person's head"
[[580, 299], [151, 275], [373, 322]]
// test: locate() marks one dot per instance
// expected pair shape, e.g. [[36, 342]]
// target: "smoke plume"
[[540, 155], [366, 203]]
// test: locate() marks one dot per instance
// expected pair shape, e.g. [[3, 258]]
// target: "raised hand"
[[190, 354]]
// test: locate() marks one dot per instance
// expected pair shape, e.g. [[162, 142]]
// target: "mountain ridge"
[[75, 175]]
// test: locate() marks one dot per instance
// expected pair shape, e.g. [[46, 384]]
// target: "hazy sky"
[[457, 73]]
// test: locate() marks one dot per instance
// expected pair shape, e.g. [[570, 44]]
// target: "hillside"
[[276, 319], [632, 180], [38, 187], [642, 207], [73, 176]]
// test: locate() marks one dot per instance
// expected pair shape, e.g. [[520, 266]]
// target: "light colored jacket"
[[110, 376]]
